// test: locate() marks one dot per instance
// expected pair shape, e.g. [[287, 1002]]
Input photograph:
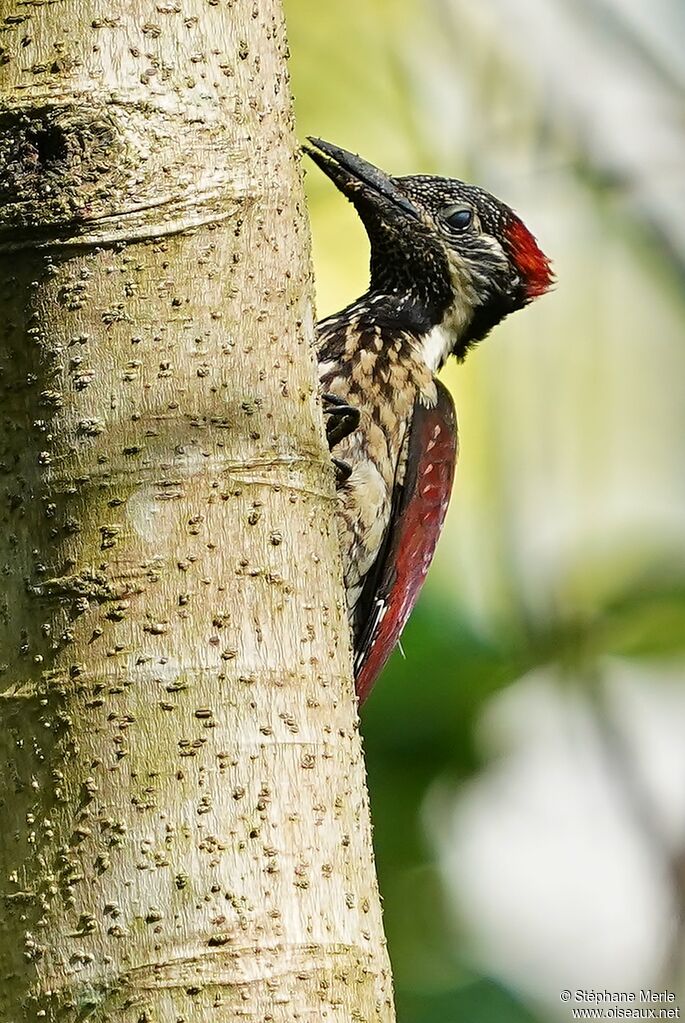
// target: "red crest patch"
[[531, 262]]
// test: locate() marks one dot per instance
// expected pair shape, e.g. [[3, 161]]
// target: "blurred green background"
[[527, 757]]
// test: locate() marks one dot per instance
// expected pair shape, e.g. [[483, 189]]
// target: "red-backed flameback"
[[448, 262]]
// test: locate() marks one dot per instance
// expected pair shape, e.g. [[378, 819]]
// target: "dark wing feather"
[[419, 509]]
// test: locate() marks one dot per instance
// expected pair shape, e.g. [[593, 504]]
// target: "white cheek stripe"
[[442, 339], [436, 346]]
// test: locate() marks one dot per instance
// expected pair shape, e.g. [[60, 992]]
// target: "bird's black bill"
[[355, 177]]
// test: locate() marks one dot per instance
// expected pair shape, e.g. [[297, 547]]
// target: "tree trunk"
[[186, 833]]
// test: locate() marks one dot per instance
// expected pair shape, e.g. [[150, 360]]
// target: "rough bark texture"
[[185, 826]]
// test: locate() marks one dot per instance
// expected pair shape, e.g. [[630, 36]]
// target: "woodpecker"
[[448, 262]]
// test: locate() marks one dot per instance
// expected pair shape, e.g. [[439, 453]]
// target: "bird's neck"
[[430, 332], [435, 347], [450, 336]]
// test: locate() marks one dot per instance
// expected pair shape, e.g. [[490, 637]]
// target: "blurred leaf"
[[648, 624], [481, 1002]]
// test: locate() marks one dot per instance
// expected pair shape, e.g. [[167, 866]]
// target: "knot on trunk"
[[98, 170], [57, 165]]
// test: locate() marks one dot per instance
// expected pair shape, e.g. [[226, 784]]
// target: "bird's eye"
[[459, 218]]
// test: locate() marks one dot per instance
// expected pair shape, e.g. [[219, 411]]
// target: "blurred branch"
[[627, 777], [616, 91]]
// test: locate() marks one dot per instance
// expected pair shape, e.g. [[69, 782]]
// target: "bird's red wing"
[[413, 533]]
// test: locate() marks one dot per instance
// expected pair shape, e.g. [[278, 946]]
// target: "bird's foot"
[[343, 471], [341, 420]]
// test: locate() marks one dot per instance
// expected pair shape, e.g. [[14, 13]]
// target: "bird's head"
[[455, 257]]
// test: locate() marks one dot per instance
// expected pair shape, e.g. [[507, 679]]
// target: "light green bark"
[[185, 826]]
